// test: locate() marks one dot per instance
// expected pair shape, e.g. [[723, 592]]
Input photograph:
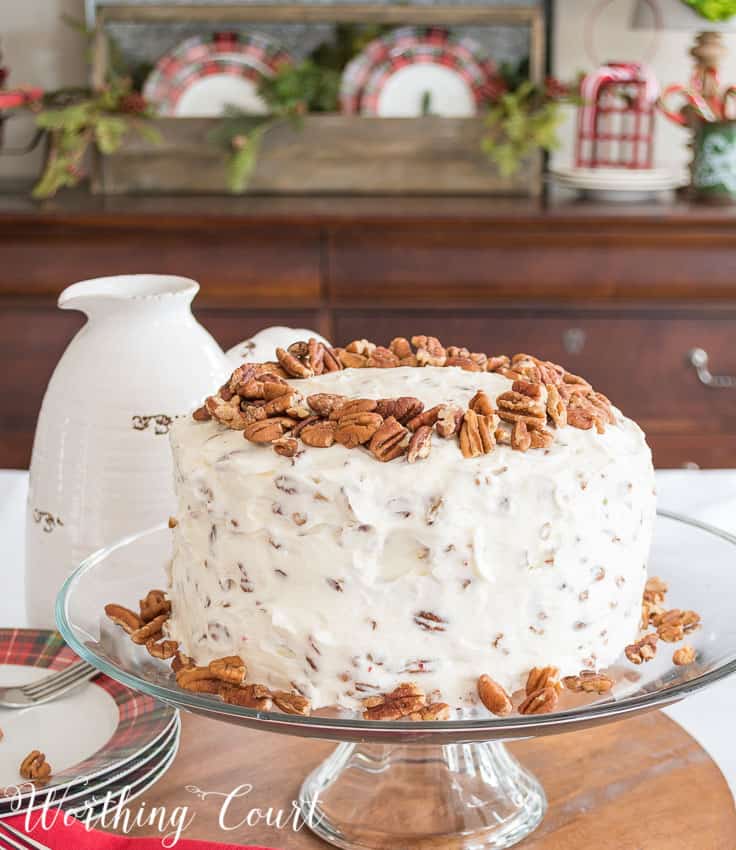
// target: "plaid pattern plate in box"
[[233, 61], [465, 54], [138, 722]]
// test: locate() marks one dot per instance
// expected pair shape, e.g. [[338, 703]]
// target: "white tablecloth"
[[707, 495]]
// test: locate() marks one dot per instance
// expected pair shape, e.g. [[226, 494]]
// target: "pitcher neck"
[[106, 297]]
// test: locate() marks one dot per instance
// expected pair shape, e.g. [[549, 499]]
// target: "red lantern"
[[616, 118]]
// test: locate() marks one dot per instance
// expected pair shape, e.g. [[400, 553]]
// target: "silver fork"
[[48, 688], [17, 840]]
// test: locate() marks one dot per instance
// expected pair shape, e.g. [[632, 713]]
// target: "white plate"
[[209, 96], [403, 92], [612, 179]]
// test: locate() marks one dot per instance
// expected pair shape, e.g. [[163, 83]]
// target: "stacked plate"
[[414, 71], [105, 743], [205, 74], [619, 184]]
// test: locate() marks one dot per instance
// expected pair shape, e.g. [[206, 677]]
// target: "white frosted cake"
[[519, 539]]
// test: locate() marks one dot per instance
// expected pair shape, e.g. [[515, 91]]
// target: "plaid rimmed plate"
[[203, 73], [469, 57], [96, 728]]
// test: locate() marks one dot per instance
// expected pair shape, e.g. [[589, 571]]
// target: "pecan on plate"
[[324, 403], [198, 680], [163, 649], [420, 444], [642, 650], [588, 681], [148, 630], [449, 420], [404, 700], [684, 655], [291, 703], [35, 767], [128, 620], [541, 701], [382, 358], [433, 711], [249, 696], [493, 696], [355, 429], [476, 434], [389, 441], [426, 417], [320, 434], [541, 677], [155, 603], [230, 669], [402, 409], [674, 624], [293, 365]]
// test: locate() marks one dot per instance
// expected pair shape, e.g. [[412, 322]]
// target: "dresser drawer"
[[640, 360]]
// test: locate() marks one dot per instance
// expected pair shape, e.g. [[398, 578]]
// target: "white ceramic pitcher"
[[101, 465]]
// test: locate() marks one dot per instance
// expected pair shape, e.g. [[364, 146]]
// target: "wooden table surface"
[[639, 784]]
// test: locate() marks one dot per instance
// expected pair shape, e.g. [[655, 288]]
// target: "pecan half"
[[588, 681], [406, 699], [35, 767], [426, 417], [541, 439], [264, 430], [674, 624], [180, 662], [249, 696], [201, 414], [123, 617], [464, 363], [389, 441], [320, 434], [331, 360], [420, 444], [286, 446], [402, 409], [230, 669], [291, 703], [291, 365], [315, 356], [493, 364], [148, 630], [481, 403], [433, 711], [400, 347], [642, 650], [198, 680], [382, 358], [161, 649], [361, 346], [324, 403], [684, 655], [356, 429], [655, 590], [227, 413], [353, 405], [449, 420], [155, 603], [541, 701], [476, 436], [513, 406], [429, 351], [556, 409], [493, 696], [540, 678], [350, 360], [521, 439]]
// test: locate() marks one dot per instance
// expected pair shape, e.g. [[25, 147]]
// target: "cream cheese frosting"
[[341, 576]]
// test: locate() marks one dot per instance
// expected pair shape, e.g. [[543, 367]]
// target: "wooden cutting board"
[[639, 784]]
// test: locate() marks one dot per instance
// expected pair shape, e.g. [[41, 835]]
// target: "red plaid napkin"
[[72, 835]]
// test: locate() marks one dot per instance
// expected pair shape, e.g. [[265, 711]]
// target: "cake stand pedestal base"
[[452, 796]]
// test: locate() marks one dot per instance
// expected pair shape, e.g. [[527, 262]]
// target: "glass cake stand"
[[448, 784]]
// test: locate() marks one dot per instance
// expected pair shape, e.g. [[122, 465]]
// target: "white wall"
[[41, 50]]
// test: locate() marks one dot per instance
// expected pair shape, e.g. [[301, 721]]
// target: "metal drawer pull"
[[698, 358]]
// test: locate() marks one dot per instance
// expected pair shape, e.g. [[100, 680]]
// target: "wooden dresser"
[[618, 294]]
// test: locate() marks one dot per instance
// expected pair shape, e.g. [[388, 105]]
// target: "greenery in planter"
[[714, 10], [523, 117]]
